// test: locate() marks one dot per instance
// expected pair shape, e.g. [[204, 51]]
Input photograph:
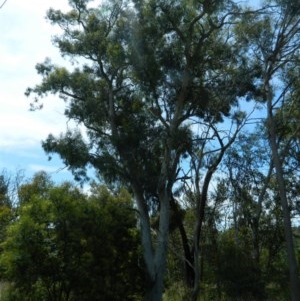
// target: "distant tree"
[[9, 185], [249, 170], [4, 187], [256, 219]]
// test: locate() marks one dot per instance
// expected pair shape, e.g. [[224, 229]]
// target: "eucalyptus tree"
[[205, 159], [145, 72], [272, 40], [249, 169], [257, 222]]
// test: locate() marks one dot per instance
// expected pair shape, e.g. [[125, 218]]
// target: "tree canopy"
[[156, 89]]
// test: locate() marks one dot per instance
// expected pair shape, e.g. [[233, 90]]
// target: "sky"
[[25, 39]]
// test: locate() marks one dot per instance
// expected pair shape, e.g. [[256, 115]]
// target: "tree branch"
[[3, 4]]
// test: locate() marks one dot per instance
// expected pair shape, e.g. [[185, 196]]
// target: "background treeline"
[[59, 243]]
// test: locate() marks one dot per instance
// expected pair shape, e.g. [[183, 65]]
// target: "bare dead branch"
[[3, 4]]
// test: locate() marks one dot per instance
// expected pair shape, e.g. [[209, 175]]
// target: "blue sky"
[[25, 39]]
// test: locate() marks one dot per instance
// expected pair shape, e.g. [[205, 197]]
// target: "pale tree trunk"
[[282, 53], [160, 259], [155, 256], [292, 262]]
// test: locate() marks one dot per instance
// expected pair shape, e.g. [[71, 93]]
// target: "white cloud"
[[25, 38]]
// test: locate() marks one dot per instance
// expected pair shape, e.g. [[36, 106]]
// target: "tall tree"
[[273, 40], [204, 161], [147, 72], [249, 171]]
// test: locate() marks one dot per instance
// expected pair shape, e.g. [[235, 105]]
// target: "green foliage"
[[4, 199], [67, 246], [145, 73], [135, 76], [238, 273]]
